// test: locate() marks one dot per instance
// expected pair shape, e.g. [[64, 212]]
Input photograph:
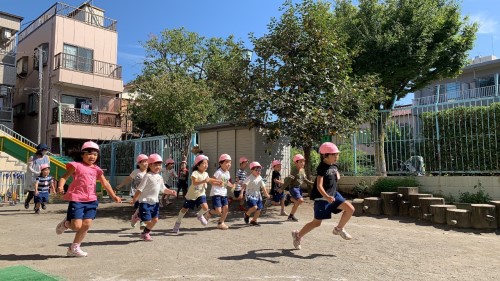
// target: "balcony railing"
[[77, 116], [72, 62], [65, 10], [471, 94]]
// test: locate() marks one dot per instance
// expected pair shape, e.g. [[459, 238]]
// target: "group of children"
[[148, 183]]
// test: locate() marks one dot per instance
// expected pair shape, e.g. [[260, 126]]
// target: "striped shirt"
[[241, 176], [44, 183]]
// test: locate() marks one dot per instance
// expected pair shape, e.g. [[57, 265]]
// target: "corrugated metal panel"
[[226, 143], [265, 153], [244, 147], [208, 143]]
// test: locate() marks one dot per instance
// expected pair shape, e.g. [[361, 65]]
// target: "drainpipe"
[[438, 146]]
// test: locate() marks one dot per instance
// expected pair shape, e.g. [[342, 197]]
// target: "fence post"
[[438, 145], [496, 84], [354, 144], [112, 164]]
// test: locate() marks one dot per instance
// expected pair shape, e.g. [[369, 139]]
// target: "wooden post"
[[424, 204], [458, 218], [483, 216], [372, 206], [439, 212], [403, 192], [390, 204]]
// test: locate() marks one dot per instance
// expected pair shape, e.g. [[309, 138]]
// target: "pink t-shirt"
[[83, 187]]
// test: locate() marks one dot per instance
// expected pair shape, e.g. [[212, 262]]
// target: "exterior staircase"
[[11, 164]]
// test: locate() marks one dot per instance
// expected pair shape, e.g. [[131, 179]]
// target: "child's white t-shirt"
[[196, 191], [136, 176], [253, 187], [168, 176], [220, 189], [150, 187]]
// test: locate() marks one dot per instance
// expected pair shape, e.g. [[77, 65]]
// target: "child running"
[[294, 181], [277, 193], [136, 177], [147, 195], [219, 192], [168, 175], [182, 184], [43, 184], [82, 195], [327, 199], [253, 186], [196, 196], [241, 175]]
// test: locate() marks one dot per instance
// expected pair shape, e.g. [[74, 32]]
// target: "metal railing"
[[72, 62], [476, 93], [8, 131], [77, 116], [68, 11]]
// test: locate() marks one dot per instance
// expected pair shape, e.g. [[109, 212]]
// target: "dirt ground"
[[382, 248]]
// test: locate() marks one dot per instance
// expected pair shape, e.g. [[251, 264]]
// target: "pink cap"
[[154, 158], [141, 157], [275, 162], [328, 148], [224, 157], [90, 145], [298, 157], [243, 159], [169, 161], [44, 166], [255, 164], [200, 158]]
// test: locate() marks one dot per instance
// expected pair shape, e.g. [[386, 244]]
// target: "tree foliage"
[[406, 44], [302, 80]]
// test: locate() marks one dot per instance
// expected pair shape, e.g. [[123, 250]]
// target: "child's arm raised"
[[109, 189]]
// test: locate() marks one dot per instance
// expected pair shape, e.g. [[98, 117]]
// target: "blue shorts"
[[42, 197], [296, 192], [191, 204], [82, 210], [219, 201], [323, 209], [237, 193], [252, 203], [136, 204], [277, 197], [149, 211]]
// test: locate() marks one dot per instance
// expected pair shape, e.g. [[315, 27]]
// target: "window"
[[78, 58], [32, 104], [486, 81], [453, 90], [75, 102]]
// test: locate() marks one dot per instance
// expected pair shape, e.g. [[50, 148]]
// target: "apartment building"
[[9, 26], [80, 83]]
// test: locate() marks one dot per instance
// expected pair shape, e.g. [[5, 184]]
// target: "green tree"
[[302, 82], [407, 44]]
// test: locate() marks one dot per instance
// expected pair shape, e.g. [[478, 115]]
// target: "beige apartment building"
[[80, 77], [9, 26]]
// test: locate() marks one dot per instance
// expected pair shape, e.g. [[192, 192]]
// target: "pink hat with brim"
[[141, 157], [243, 159], [44, 166], [200, 158]]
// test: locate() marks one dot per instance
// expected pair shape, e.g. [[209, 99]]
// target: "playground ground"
[[382, 248]]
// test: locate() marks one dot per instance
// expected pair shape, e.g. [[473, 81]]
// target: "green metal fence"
[[453, 137]]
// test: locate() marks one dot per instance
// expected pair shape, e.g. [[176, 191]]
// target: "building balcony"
[[86, 65], [457, 96], [81, 117]]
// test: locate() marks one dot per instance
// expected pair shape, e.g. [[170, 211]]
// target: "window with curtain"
[[78, 58]]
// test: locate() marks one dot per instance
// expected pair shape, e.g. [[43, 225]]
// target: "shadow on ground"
[[269, 255]]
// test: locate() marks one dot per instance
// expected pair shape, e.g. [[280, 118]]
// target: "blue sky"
[[221, 18]]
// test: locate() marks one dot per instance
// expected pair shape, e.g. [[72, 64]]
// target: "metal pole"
[[40, 77], [438, 145], [60, 129], [355, 145]]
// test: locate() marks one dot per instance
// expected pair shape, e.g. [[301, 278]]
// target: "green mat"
[[24, 273]]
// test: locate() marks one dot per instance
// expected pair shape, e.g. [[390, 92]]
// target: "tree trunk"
[[378, 130], [186, 147]]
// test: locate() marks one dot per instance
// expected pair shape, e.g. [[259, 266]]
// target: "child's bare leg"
[[150, 224], [251, 210], [348, 210], [224, 213], [309, 226], [81, 227], [256, 215], [296, 204]]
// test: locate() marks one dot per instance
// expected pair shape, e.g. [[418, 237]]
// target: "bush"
[[390, 184], [479, 197]]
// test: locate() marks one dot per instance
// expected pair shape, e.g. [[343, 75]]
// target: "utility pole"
[[40, 85]]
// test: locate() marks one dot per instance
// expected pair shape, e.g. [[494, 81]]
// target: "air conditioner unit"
[[4, 91], [6, 34]]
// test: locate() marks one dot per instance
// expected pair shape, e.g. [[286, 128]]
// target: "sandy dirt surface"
[[382, 248]]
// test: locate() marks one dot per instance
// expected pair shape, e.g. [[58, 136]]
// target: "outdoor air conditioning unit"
[[6, 34], [22, 67]]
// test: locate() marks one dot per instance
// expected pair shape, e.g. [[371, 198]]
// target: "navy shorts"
[[42, 197], [296, 192], [219, 201], [323, 209], [149, 211], [191, 204], [82, 210], [237, 193], [252, 203], [277, 197]]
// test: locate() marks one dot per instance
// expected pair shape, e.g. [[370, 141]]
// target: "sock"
[[180, 216], [75, 245], [290, 216], [201, 212], [146, 230]]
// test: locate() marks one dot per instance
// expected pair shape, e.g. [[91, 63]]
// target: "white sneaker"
[[76, 252], [283, 213], [61, 227], [342, 233], [134, 220], [176, 228], [203, 220], [296, 239]]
